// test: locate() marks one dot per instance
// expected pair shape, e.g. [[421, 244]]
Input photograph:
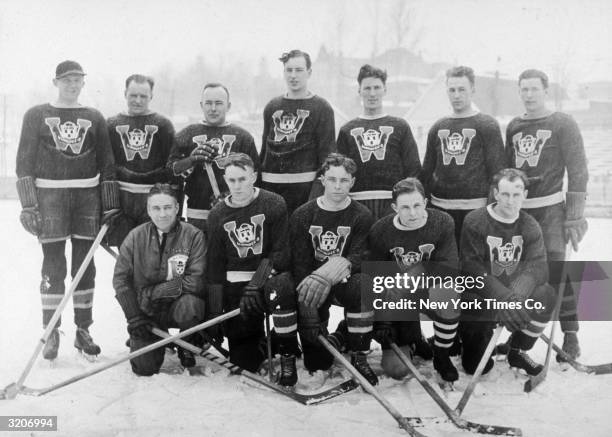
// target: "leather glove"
[[309, 325], [313, 290], [575, 224], [203, 152], [517, 318], [31, 220], [252, 302], [383, 333], [140, 327]]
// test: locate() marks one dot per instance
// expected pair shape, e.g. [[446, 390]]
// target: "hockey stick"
[[536, 380], [401, 420], [212, 179], [452, 415], [269, 347], [136, 353], [305, 399], [597, 369], [109, 250], [12, 389], [479, 369]]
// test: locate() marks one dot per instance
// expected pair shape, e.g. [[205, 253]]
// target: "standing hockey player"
[[298, 134], [328, 235], [417, 240], [141, 142], [464, 151], [158, 279], [382, 146], [65, 183], [248, 235], [545, 145], [208, 142], [504, 246]]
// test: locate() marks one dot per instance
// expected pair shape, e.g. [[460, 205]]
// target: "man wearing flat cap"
[[66, 185]]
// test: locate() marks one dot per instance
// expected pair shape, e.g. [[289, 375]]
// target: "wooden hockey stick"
[[136, 353], [212, 179], [479, 369], [452, 415], [596, 369], [12, 389], [401, 420]]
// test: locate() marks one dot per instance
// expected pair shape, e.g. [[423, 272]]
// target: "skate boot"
[[519, 359], [443, 364], [422, 348], [570, 346], [288, 371], [359, 360], [454, 351], [84, 343], [51, 346], [186, 357]]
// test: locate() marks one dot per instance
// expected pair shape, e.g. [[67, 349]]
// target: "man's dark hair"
[[532, 73], [216, 85], [296, 54], [241, 160], [140, 78], [338, 160], [160, 188], [369, 71], [461, 71], [511, 174], [408, 185]]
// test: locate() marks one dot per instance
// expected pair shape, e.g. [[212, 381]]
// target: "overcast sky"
[[119, 37]]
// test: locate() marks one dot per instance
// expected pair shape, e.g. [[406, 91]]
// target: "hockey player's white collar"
[[137, 115], [401, 227], [372, 117], [310, 95], [60, 106], [327, 207], [498, 217], [229, 202], [205, 123], [468, 115]]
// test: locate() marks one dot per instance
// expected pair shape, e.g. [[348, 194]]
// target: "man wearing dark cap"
[[66, 187]]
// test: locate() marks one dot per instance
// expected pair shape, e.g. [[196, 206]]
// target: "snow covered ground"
[[117, 403]]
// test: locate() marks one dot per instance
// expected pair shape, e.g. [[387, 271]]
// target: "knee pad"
[[279, 292]]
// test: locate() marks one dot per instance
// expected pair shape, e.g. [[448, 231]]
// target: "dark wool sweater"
[[462, 156], [241, 237], [297, 135], [225, 139], [64, 144], [383, 149], [317, 233], [544, 148], [141, 146]]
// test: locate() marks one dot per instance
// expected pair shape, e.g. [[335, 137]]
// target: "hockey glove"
[[516, 316], [335, 269], [30, 216], [140, 327], [203, 153], [309, 324], [252, 301], [313, 290], [384, 333], [111, 205], [575, 223]]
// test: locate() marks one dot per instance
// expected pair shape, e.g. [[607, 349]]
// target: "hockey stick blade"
[[468, 426], [305, 399], [597, 369], [452, 416]]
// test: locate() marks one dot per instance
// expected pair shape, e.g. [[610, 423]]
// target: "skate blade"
[[87, 357], [445, 386]]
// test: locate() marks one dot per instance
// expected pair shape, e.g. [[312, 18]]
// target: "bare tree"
[[402, 17]]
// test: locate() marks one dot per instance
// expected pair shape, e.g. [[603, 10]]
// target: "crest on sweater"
[[455, 146], [136, 141], [222, 145], [68, 134], [406, 259], [504, 257], [372, 142], [330, 243], [288, 125], [528, 148], [176, 266], [247, 236]]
